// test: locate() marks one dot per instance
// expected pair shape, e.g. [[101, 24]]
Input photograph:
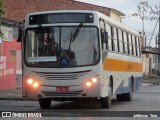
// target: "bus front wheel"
[[45, 103], [106, 102]]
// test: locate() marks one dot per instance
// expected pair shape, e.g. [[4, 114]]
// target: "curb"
[[152, 82], [16, 99]]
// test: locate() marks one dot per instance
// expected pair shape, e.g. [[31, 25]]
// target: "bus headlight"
[[88, 83], [92, 81], [33, 83], [29, 81]]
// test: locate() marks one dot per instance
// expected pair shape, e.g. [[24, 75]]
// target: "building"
[[150, 61], [15, 12], [9, 50]]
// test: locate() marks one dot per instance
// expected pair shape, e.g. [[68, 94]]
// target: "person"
[[70, 56], [72, 59], [53, 47]]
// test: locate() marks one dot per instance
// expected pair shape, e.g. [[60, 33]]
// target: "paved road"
[[146, 99]]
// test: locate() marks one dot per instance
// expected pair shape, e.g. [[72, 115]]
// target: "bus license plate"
[[62, 88]]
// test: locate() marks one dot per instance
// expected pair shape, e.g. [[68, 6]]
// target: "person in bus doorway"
[[52, 46], [72, 59]]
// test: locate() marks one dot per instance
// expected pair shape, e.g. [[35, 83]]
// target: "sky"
[[128, 7]]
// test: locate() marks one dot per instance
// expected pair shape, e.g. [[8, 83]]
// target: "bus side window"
[[133, 43], [104, 34], [132, 47], [121, 42], [115, 39], [118, 40], [108, 29], [139, 47], [125, 49], [136, 47], [130, 44], [112, 38]]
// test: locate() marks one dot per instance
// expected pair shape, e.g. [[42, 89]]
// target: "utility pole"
[[159, 43], [143, 32]]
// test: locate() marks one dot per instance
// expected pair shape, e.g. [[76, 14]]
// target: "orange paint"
[[123, 66]]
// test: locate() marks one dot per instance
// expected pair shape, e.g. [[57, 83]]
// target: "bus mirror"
[[20, 35], [106, 38]]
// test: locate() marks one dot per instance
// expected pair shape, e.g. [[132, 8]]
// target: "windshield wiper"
[[72, 38], [76, 32]]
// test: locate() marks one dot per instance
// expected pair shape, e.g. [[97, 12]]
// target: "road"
[[146, 99]]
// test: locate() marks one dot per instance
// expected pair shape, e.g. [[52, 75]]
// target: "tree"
[[1, 13], [146, 12]]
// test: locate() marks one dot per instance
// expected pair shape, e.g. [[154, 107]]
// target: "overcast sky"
[[127, 7]]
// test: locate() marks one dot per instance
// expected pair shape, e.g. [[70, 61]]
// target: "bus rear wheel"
[[120, 97], [45, 103], [128, 96]]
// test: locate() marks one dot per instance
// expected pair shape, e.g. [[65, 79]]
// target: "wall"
[[150, 64], [145, 60], [8, 63], [16, 10], [154, 63], [114, 14]]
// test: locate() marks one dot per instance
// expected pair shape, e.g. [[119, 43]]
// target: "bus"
[[72, 55]]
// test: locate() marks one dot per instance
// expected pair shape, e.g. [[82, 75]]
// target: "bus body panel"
[[75, 79]]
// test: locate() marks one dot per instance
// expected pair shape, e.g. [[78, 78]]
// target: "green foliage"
[[1, 8], [1, 13]]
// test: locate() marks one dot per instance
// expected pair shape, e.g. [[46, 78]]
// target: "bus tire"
[[45, 103], [128, 96], [106, 102], [120, 97]]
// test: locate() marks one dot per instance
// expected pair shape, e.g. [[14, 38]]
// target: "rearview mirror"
[[106, 38], [20, 35]]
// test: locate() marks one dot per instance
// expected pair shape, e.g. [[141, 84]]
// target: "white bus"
[[77, 55]]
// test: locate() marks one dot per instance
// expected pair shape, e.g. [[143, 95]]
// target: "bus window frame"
[[26, 63]]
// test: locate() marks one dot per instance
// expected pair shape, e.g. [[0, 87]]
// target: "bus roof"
[[99, 14], [116, 23]]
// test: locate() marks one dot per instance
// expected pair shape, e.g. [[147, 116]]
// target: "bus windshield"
[[55, 47]]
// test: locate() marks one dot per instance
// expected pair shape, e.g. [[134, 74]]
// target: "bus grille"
[[62, 93], [62, 76]]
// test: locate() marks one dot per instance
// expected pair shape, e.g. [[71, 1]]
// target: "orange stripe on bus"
[[123, 66]]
